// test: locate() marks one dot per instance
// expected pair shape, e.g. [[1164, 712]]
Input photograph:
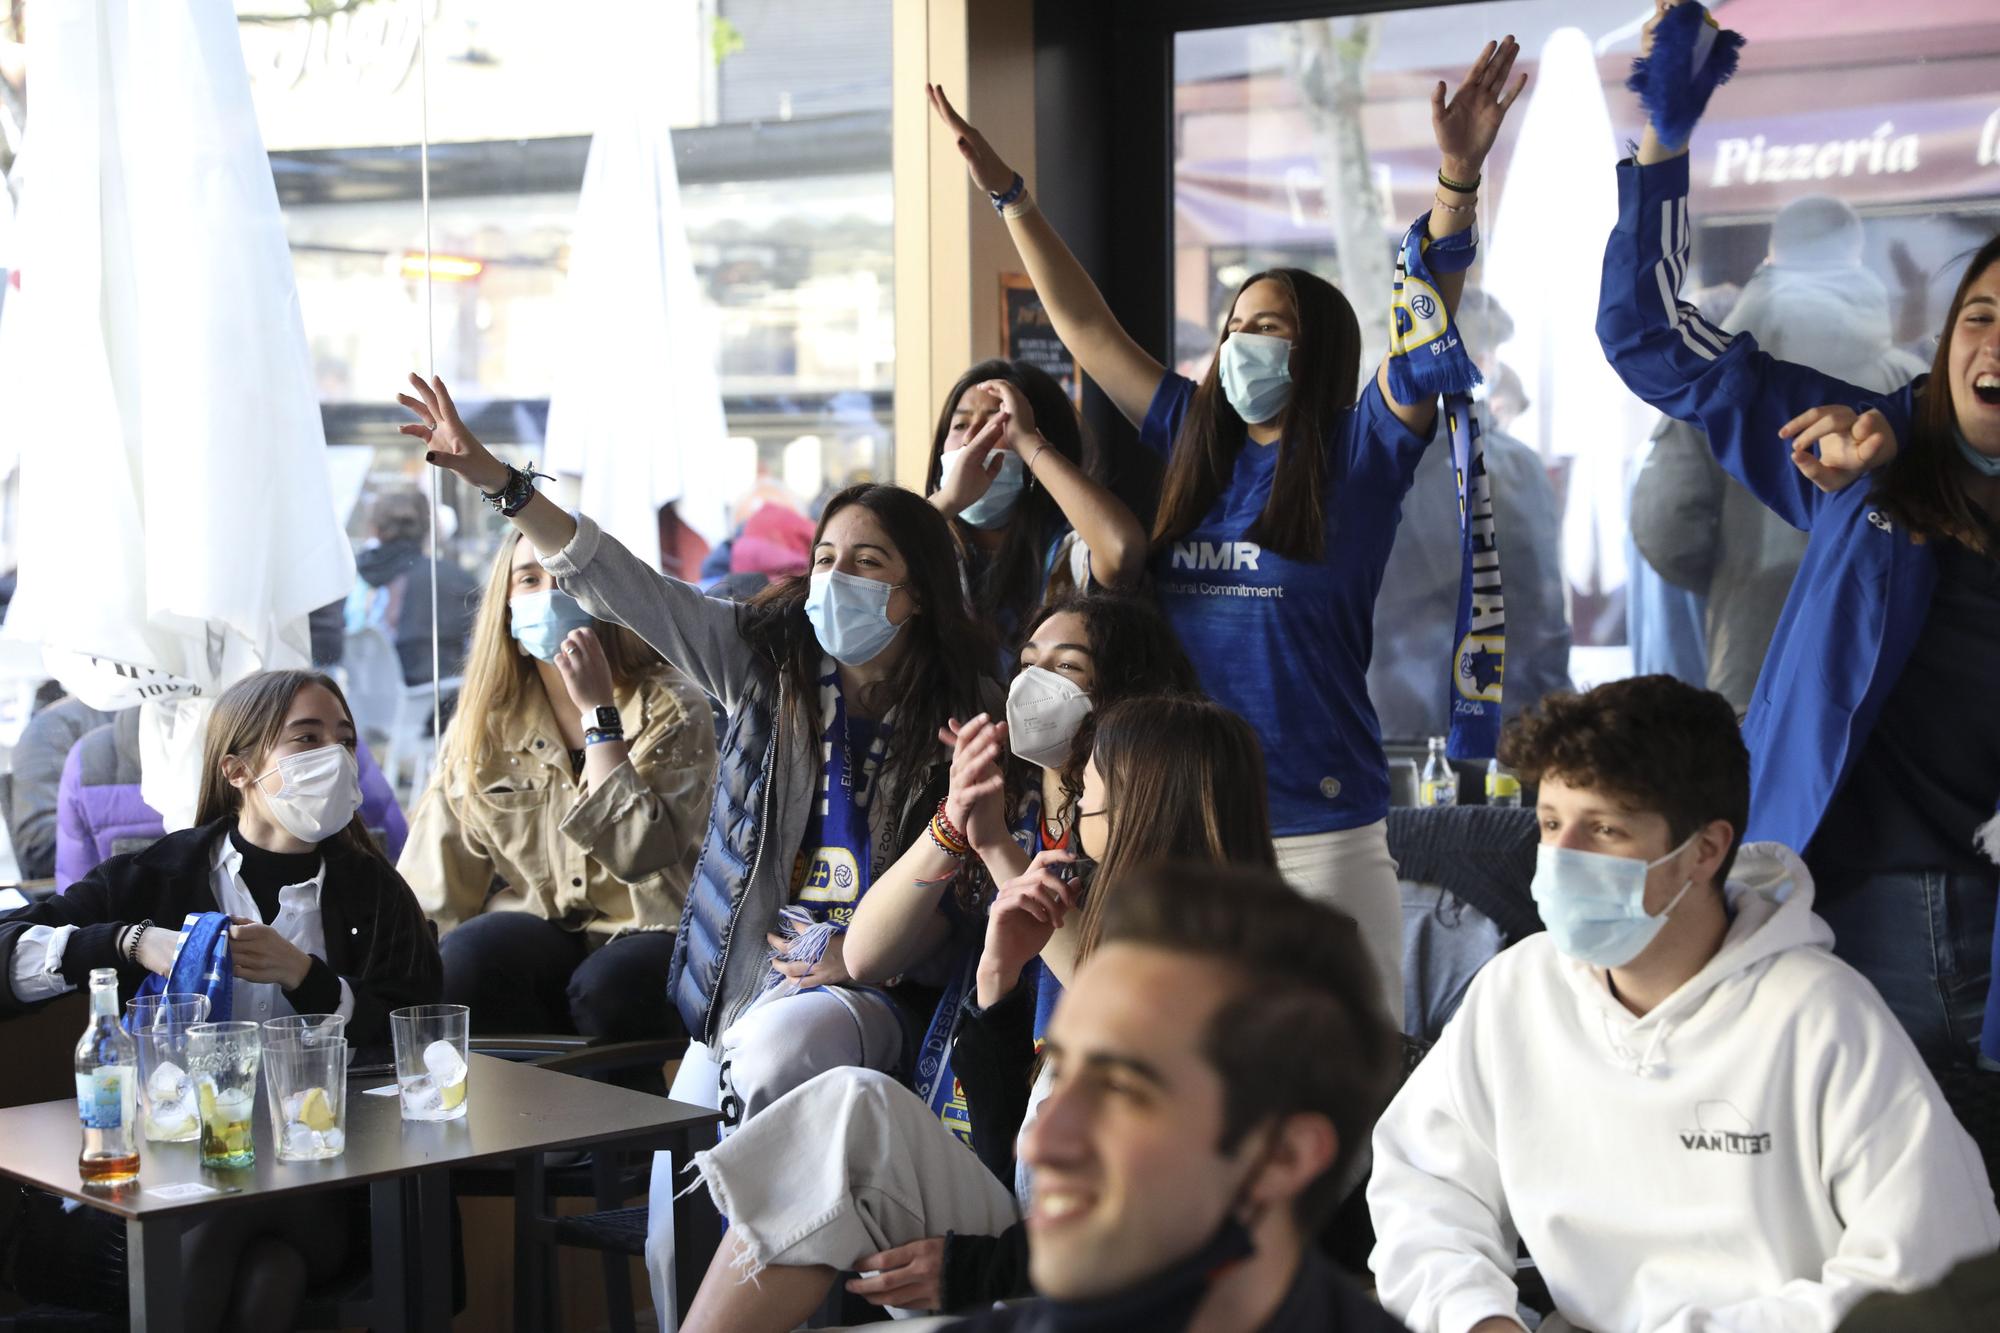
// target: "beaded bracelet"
[[1010, 196], [949, 839], [1438, 199], [513, 497]]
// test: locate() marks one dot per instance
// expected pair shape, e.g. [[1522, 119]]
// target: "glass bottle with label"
[[107, 1089], [1502, 786], [1440, 780]]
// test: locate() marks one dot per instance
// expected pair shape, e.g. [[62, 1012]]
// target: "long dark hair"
[[1007, 584], [1133, 651], [945, 653], [1184, 781], [1925, 486], [248, 719], [1326, 378]]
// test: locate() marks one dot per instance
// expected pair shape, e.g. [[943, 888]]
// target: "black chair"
[[616, 1232]]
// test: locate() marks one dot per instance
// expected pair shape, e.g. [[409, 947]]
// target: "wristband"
[[132, 941], [513, 497], [1009, 197], [1459, 186], [1443, 207], [948, 839], [600, 735]]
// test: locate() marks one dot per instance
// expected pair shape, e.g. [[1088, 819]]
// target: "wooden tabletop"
[[511, 1109]]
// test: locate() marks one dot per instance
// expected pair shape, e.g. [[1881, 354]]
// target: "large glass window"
[[781, 162], [1838, 183], [715, 174]]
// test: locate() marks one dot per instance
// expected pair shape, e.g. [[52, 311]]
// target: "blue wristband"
[[1012, 195], [596, 737]]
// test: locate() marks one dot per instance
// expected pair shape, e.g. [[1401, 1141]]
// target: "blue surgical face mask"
[[1256, 373], [1984, 466], [542, 620], [850, 615], [1595, 905], [995, 508]]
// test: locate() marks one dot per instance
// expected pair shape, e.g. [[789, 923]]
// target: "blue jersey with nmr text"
[[1283, 642]]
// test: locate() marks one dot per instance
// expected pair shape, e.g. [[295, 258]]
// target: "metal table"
[[513, 1112]]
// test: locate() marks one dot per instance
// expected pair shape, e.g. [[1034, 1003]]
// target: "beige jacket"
[[610, 860]]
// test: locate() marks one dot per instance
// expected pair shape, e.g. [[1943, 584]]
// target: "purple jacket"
[[99, 812]]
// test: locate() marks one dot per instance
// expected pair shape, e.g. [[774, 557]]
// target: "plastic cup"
[[223, 1057], [431, 1069], [305, 1075], [159, 1026]]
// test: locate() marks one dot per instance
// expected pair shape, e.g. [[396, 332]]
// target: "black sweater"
[[377, 938]]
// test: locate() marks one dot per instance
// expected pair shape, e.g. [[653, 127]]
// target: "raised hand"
[[976, 802], [585, 670], [972, 476], [988, 172], [1020, 414], [1025, 916], [448, 443], [1849, 445], [1466, 125], [1660, 8]]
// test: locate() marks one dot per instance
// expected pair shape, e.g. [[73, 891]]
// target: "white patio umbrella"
[[176, 523], [1543, 261], [636, 406]]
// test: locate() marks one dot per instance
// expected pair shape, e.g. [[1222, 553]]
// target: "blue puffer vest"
[[756, 817]]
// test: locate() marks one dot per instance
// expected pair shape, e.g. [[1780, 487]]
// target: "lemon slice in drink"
[[204, 1094], [454, 1095], [315, 1111]]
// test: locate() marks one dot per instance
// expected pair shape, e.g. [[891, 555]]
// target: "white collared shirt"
[[36, 973], [298, 920]]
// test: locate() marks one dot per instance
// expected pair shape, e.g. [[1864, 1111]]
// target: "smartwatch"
[[604, 717]]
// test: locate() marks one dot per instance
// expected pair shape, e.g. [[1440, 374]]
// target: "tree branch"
[[315, 9]]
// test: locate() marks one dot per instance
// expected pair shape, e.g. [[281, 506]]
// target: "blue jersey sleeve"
[[1381, 437], [1162, 425], [1672, 357]]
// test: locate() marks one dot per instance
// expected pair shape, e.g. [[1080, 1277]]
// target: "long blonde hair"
[[247, 721], [498, 675]]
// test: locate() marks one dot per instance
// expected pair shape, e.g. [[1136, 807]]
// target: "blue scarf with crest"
[[1427, 359], [202, 967]]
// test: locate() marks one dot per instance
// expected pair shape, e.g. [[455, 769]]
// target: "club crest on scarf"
[[1427, 359], [1480, 662]]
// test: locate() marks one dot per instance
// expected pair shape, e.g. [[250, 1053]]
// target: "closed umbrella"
[[636, 407], [176, 519]]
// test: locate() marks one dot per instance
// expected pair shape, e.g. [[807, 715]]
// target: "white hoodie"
[[1757, 1153]]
